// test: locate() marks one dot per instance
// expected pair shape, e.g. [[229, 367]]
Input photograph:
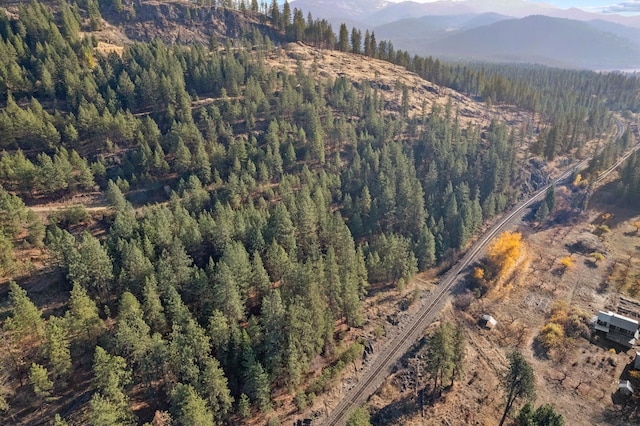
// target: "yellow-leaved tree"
[[504, 252]]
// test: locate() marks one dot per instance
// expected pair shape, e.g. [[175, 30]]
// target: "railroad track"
[[409, 334], [391, 353], [617, 164]]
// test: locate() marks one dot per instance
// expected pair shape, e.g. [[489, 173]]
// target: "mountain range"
[[493, 30]]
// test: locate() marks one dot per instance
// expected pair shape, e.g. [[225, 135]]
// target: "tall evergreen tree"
[[110, 405], [215, 387], [189, 408], [82, 316], [57, 346], [273, 320], [132, 334], [518, 382], [92, 267], [38, 377], [343, 38], [26, 319], [440, 356]]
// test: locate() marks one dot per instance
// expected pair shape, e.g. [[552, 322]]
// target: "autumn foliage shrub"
[[566, 323], [502, 255], [504, 252]]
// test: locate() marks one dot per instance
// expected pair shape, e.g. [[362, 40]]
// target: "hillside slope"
[[264, 212]]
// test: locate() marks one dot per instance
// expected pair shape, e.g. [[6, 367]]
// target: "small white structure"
[[618, 328], [488, 321], [625, 388]]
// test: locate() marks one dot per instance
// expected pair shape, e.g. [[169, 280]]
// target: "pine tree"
[[57, 346], [189, 349], [201, 163], [14, 213], [367, 44], [356, 41], [152, 306], [334, 287], [260, 282], [280, 229], [542, 214], [183, 158], [215, 387], [440, 357], [189, 408], [459, 343], [285, 21], [236, 258], [7, 255], [360, 417], [315, 134], [132, 334], [275, 12], [343, 38], [38, 377], [82, 316], [26, 320], [104, 412], [226, 293], [244, 406], [110, 405], [95, 19], [219, 331], [545, 415], [550, 198], [92, 268], [518, 382], [115, 197], [59, 421], [426, 249], [273, 320], [259, 385]]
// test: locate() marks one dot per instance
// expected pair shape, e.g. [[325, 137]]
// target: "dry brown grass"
[[389, 78], [106, 48]]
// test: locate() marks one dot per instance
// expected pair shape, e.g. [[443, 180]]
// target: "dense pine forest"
[[250, 209]]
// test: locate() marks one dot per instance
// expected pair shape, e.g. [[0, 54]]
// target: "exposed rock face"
[[533, 176]]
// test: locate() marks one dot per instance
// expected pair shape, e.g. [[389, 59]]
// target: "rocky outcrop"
[[182, 22], [533, 176]]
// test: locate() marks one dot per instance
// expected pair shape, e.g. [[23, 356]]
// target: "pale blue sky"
[[617, 6], [607, 6]]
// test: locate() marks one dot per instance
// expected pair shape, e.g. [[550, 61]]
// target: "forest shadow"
[[380, 287], [48, 292], [393, 413], [607, 200], [589, 264], [538, 350], [599, 339], [627, 406]]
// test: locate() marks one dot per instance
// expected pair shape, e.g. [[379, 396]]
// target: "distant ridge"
[[541, 39], [493, 30]]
